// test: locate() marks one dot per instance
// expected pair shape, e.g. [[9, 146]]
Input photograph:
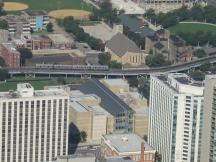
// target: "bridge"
[[112, 72]]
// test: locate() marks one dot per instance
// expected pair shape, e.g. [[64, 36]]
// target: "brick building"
[[39, 42], [10, 55], [173, 47], [129, 145]]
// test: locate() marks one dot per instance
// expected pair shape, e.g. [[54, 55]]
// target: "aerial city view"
[[107, 80]]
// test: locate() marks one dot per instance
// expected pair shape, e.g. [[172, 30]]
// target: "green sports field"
[[49, 5], [192, 28], [38, 83]]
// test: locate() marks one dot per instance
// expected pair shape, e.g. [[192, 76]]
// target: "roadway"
[[113, 72]]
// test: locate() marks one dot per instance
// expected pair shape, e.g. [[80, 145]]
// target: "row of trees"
[[196, 13], [72, 26], [3, 24], [199, 38], [140, 42], [105, 59], [106, 13], [2, 11], [142, 84], [156, 60]]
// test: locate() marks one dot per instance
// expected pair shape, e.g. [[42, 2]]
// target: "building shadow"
[[73, 139]]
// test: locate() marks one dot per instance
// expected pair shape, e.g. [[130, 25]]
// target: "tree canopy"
[[49, 27], [2, 62], [197, 75], [105, 59], [3, 74], [3, 24], [156, 60], [200, 53], [106, 12], [72, 26], [196, 13], [2, 11]]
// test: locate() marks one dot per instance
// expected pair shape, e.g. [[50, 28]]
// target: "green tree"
[[49, 27], [3, 74], [133, 82], [61, 80], [25, 53], [200, 53], [156, 60], [104, 58], [114, 64], [197, 13], [197, 75], [83, 136], [205, 67], [2, 11], [3, 24], [2, 62]]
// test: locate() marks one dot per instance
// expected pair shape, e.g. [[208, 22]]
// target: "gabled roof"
[[120, 45]]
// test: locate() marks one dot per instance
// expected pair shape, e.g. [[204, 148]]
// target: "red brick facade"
[[107, 151], [10, 56]]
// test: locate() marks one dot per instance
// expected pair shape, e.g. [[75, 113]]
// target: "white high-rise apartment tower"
[[176, 105], [207, 149], [33, 124]]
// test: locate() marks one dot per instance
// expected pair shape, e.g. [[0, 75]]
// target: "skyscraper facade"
[[207, 149], [176, 105], [33, 124]]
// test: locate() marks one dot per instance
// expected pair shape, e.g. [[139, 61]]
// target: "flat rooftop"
[[75, 102], [127, 142], [109, 101], [37, 94], [12, 19], [10, 47], [115, 82], [35, 12], [180, 78], [58, 38], [118, 159]]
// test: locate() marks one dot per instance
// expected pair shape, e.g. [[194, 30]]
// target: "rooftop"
[[77, 158], [109, 101], [182, 83], [115, 82], [35, 12], [26, 90], [10, 47], [118, 159], [120, 45], [58, 38], [15, 19], [76, 97], [127, 142]]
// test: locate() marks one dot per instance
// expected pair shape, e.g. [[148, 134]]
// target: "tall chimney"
[[142, 152]]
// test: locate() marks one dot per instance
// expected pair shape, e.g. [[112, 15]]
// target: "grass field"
[[192, 28], [50, 5], [38, 83]]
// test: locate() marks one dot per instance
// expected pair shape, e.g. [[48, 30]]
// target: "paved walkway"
[[195, 22]]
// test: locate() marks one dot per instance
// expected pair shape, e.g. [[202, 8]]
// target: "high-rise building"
[[176, 105], [33, 124], [207, 149]]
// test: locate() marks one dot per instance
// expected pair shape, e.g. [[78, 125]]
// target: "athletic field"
[[50, 5], [192, 28]]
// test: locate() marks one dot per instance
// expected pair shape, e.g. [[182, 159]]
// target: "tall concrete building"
[[207, 150], [176, 105], [33, 124]]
